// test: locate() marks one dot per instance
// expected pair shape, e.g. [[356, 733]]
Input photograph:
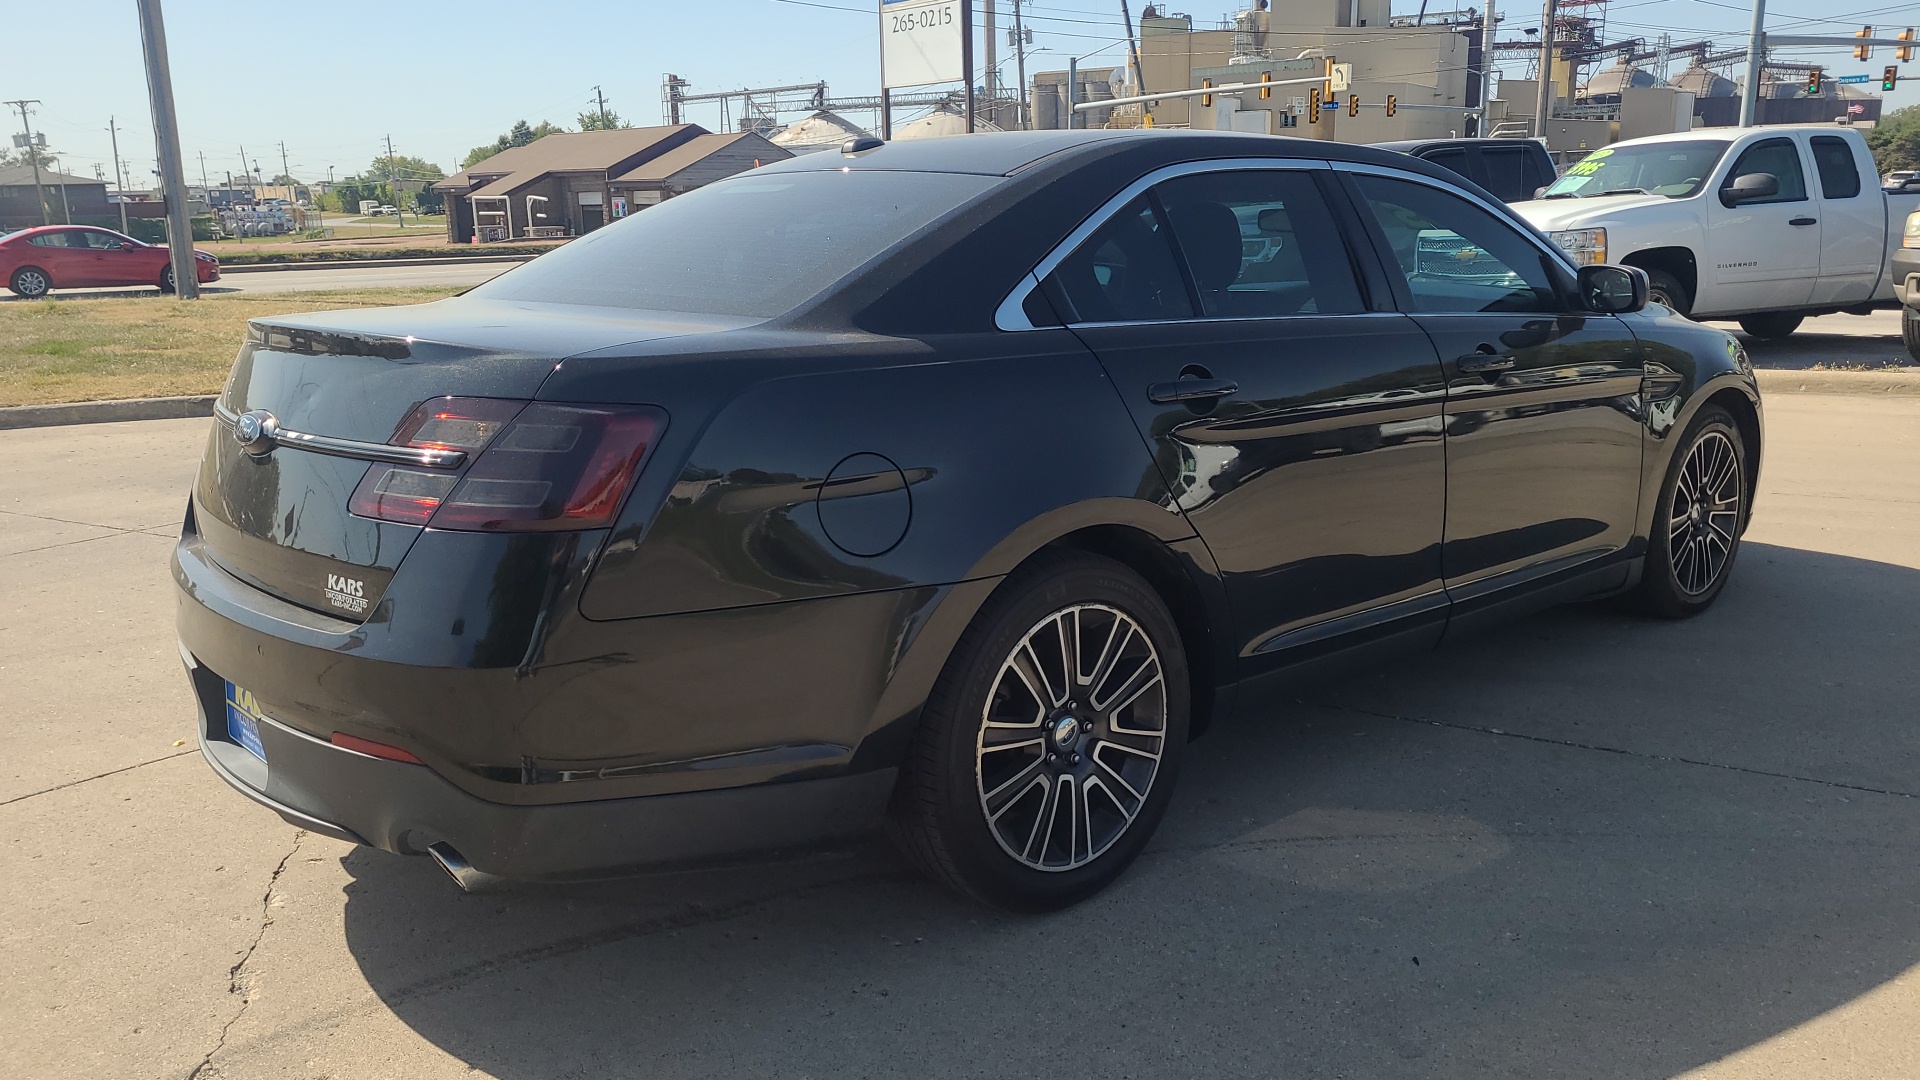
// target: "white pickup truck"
[[1764, 225]]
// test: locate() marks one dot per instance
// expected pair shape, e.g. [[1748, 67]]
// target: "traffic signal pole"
[[1758, 40], [1756, 60]]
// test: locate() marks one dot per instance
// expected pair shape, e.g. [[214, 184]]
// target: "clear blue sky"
[[441, 77]]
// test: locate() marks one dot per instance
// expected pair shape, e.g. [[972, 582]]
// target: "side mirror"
[[126, 245], [1613, 290], [1748, 187]]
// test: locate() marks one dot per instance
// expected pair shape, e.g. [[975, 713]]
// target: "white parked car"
[[1764, 225]]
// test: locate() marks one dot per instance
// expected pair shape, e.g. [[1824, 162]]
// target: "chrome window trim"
[[1012, 312]]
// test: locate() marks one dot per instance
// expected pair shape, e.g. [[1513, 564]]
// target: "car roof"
[[1003, 153]]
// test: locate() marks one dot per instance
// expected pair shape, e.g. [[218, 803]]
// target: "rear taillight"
[[530, 467]]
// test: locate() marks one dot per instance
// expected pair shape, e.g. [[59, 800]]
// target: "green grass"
[[149, 346]]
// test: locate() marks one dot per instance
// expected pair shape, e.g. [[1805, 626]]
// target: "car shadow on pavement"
[[1583, 845]]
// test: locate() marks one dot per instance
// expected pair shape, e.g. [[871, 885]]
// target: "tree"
[[14, 156], [520, 135], [1895, 140], [405, 167], [590, 121]]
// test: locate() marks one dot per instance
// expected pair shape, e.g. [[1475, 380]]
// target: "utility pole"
[[602, 99], [1489, 26], [60, 181], [1756, 64], [393, 185], [166, 137], [33, 156], [119, 180], [1020, 63], [1133, 49], [204, 186], [285, 171], [1543, 111], [987, 23], [245, 173]]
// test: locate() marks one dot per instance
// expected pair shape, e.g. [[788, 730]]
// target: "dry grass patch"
[[151, 346]]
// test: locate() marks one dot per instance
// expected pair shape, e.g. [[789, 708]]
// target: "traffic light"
[[1890, 78], [1813, 83], [1353, 104], [1206, 100], [1393, 104], [1905, 52], [1862, 52], [1266, 77], [1313, 105]]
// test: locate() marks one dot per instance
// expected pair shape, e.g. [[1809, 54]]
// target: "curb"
[[335, 264], [105, 412]]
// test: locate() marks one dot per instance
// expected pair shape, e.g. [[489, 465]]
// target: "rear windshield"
[[754, 246]]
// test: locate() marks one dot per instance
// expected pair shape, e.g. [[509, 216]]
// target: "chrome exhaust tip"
[[457, 868]]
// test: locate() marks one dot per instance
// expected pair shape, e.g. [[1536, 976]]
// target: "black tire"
[[1910, 331], [973, 749], [1771, 325], [166, 280], [30, 282], [1665, 289], [1706, 492]]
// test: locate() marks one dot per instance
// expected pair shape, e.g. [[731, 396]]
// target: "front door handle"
[[1168, 393], [1485, 360], [1804, 221]]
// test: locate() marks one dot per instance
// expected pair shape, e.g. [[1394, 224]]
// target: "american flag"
[[1856, 109]]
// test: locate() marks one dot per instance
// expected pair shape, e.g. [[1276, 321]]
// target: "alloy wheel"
[[1071, 737], [1703, 514], [30, 283]]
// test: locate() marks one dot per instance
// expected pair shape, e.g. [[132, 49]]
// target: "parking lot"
[[1585, 846]]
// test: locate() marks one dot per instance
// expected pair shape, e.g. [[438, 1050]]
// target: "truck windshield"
[[1674, 169]]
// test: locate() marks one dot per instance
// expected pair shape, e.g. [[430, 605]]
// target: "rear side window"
[[58, 239], [1451, 157], [1260, 244], [1125, 271], [1779, 157], [755, 246], [1839, 176]]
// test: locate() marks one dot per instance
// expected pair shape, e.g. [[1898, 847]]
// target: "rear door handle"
[[1476, 362], [1168, 393], [1804, 221]]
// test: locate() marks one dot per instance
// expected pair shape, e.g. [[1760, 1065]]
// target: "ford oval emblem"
[[254, 432]]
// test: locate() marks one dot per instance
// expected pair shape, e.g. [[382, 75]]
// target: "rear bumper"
[[407, 808]]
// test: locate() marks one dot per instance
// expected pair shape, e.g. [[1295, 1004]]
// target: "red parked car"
[[35, 261]]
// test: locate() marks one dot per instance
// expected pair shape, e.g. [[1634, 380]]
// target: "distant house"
[[574, 182], [78, 200]]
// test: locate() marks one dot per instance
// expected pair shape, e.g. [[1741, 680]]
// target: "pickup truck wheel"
[[1910, 331], [1665, 289], [1771, 325]]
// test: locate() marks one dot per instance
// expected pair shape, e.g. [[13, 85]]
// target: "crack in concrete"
[[236, 983], [1641, 754], [96, 776]]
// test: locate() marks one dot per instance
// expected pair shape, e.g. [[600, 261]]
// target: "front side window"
[[1454, 255], [103, 241], [1780, 158], [1839, 176], [1125, 271], [1260, 243]]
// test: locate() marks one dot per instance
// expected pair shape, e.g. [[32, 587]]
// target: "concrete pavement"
[[1582, 846]]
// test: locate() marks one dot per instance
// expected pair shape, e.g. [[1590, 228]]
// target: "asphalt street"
[[314, 279], [1583, 846]]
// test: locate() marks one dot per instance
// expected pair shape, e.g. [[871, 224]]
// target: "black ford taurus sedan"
[[950, 485]]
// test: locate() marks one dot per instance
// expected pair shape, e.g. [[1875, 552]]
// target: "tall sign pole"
[[966, 55], [166, 140], [1489, 26], [1756, 62], [119, 181]]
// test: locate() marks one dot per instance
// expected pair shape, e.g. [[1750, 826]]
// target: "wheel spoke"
[[1004, 796]]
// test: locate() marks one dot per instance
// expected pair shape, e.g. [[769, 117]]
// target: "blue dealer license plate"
[[243, 720]]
